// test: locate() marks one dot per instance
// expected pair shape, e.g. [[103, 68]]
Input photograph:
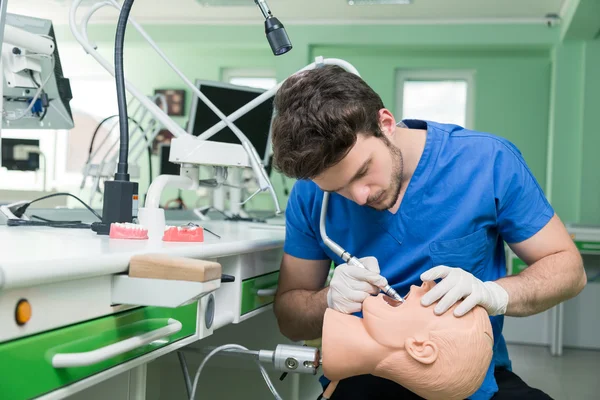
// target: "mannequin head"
[[436, 357]]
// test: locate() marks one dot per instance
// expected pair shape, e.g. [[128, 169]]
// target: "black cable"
[[98, 129], [54, 221], [22, 222], [149, 145], [186, 374], [150, 174], [24, 207], [122, 174], [44, 113], [37, 85], [96, 132]]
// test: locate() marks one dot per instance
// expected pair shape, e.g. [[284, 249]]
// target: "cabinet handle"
[[69, 360], [266, 292]]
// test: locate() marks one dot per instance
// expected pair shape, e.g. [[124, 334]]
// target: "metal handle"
[[68, 360], [267, 292]]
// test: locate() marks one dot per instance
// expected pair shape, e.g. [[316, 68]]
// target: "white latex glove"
[[458, 284], [351, 285]]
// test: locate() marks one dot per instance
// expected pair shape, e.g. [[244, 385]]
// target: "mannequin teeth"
[[183, 234], [128, 230]]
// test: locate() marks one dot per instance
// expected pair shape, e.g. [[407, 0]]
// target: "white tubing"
[[175, 129], [71, 360], [161, 182]]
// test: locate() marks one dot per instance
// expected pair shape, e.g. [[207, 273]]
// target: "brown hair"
[[319, 114]]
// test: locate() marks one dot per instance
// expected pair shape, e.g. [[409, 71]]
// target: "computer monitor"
[[20, 83], [166, 167], [228, 98], [20, 154]]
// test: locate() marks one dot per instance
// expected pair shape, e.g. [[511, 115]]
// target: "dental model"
[[183, 234], [128, 230], [436, 357]]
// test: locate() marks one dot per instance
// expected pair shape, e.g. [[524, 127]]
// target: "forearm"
[[300, 313], [544, 284]]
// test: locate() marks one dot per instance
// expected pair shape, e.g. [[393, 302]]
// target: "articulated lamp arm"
[[279, 43]]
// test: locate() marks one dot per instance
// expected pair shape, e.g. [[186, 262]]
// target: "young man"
[[416, 200]]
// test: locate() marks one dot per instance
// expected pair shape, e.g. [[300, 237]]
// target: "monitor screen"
[[228, 98], [17, 154], [167, 167]]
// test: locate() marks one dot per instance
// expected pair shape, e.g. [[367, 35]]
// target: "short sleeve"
[[300, 238], [521, 205]]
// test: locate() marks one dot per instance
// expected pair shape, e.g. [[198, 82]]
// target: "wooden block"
[[161, 266]]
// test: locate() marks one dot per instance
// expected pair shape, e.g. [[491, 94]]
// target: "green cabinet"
[[258, 292], [26, 368]]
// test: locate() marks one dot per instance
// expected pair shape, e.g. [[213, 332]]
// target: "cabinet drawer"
[[27, 365], [258, 292]]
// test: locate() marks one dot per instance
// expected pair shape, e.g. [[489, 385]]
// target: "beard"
[[386, 198]]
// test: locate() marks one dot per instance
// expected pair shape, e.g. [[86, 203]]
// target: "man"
[[417, 201]]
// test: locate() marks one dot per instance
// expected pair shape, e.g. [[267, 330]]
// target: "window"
[[440, 96]]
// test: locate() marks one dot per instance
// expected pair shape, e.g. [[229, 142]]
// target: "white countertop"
[[35, 255]]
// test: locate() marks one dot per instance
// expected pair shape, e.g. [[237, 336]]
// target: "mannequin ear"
[[424, 351]]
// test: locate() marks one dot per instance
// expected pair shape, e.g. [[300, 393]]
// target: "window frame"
[[468, 75]]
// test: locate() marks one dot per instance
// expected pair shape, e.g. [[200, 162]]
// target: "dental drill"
[[346, 256], [285, 358]]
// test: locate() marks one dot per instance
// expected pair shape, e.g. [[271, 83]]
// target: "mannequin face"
[[437, 357]]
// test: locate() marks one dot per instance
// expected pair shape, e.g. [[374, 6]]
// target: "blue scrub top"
[[470, 192]]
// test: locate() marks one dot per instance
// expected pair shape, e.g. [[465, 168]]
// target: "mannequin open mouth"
[[391, 301]]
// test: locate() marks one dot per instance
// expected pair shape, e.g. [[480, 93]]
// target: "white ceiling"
[[307, 11]]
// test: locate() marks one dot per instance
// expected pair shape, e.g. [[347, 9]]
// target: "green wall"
[[590, 165], [532, 87], [511, 87]]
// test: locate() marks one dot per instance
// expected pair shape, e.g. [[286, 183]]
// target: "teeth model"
[[183, 234], [127, 230]]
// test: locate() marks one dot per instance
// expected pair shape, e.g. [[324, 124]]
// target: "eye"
[[362, 173]]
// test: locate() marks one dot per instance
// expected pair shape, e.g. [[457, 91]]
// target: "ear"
[[424, 351], [387, 122]]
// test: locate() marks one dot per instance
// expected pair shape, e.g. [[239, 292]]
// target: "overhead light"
[[225, 3], [377, 2], [275, 31]]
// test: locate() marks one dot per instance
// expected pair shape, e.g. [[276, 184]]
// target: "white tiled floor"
[[573, 376]]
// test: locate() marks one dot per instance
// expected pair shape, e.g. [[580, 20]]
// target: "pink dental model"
[[436, 357], [128, 231]]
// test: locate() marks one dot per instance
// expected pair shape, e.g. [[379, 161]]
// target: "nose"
[[360, 193]]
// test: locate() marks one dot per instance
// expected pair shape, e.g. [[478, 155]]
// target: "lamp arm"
[[162, 117]]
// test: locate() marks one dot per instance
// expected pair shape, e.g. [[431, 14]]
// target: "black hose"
[[148, 144], [98, 129], [186, 374], [122, 172], [95, 133], [151, 175]]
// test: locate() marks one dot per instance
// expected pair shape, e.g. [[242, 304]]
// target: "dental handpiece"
[[343, 254], [387, 289]]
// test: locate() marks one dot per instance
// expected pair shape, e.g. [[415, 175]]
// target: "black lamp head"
[[277, 36]]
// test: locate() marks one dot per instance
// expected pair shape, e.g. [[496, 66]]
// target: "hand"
[[351, 285], [458, 284]]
